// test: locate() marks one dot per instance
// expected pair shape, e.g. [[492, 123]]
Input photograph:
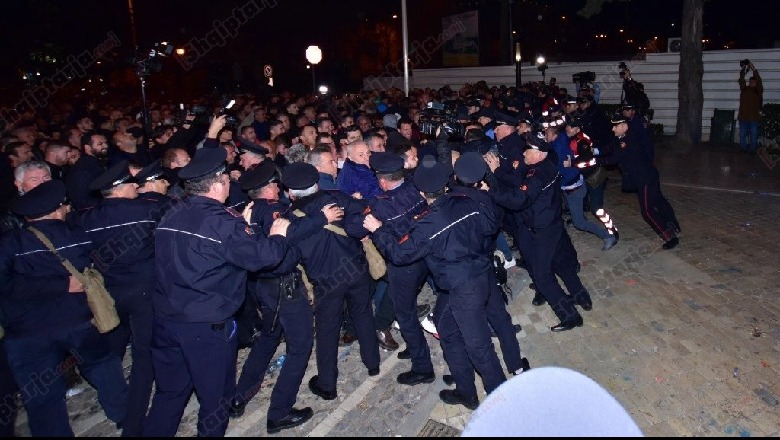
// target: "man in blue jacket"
[[356, 178]]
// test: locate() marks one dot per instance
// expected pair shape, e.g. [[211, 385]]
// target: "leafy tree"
[[690, 95]]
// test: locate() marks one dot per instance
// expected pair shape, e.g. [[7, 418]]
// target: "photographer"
[[750, 100], [166, 137], [634, 92]]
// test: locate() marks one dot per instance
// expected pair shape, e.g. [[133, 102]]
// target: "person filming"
[[750, 100]]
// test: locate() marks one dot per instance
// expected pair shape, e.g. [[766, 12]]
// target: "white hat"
[[390, 120], [551, 402]]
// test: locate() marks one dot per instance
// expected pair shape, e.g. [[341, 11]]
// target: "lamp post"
[[541, 66], [313, 56], [518, 63]]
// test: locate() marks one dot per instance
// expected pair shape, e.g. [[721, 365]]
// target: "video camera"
[[623, 69], [231, 121], [442, 115], [583, 78], [150, 62]]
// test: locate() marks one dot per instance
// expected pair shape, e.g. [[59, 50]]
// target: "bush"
[[770, 125], [657, 130]]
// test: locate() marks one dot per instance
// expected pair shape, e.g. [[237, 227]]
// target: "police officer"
[[510, 171], [336, 265], [153, 184], [451, 236], [282, 296], [640, 175], [202, 253], [121, 228], [638, 126], [470, 169], [396, 208], [47, 319], [540, 199]]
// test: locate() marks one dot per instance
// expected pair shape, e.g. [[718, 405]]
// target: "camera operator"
[[167, 137], [750, 100], [634, 92]]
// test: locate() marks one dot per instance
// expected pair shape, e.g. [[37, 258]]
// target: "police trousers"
[[8, 392], [329, 298], [465, 336], [555, 254], [296, 320], [186, 357], [404, 283], [136, 315], [39, 363]]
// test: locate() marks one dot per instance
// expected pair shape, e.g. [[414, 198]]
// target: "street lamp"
[[541, 65], [313, 56], [518, 59]]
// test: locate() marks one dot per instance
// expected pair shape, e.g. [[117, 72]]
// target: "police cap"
[[485, 113], [386, 163], [114, 176], [431, 177], [584, 98], [207, 161], [570, 99], [153, 171], [525, 118], [252, 148], [470, 167], [41, 200], [396, 141], [300, 175], [505, 119], [575, 121], [618, 118], [259, 176], [536, 141]]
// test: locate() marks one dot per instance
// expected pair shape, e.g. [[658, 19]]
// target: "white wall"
[[659, 74]]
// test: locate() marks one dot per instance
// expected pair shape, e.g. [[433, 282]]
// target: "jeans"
[[503, 246], [745, 128], [575, 201]]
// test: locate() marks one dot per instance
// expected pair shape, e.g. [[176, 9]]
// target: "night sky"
[[279, 33]]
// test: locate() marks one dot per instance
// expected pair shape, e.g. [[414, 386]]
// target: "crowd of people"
[[314, 218]]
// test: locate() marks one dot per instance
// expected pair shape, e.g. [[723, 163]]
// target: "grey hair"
[[22, 169], [351, 146], [296, 153], [304, 192], [202, 185]]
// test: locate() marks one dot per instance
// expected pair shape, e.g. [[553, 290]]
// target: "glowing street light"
[[180, 51], [314, 57]]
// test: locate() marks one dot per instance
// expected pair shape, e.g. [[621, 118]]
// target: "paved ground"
[[687, 340]]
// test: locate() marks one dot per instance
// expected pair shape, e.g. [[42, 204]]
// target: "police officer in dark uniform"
[[396, 208], [470, 169], [203, 252], [637, 124], [121, 228], [47, 319], [282, 296], [640, 175], [153, 184], [452, 238], [336, 265], [540, 200], [511, 171]]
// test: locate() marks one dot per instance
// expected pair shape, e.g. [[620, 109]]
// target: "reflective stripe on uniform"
[[190, 233], [454, 223]]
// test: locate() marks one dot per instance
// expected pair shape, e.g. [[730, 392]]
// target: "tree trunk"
[[689, 93]]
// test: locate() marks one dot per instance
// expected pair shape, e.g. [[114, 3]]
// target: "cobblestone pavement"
[[687, 340]]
